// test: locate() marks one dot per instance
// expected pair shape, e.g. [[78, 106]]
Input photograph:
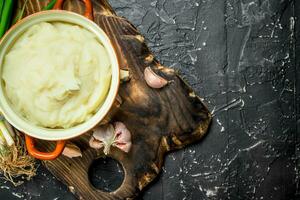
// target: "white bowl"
[[57, 134]]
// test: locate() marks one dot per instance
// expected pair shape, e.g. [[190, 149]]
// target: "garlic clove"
[[154, 80], [119, 100], [104, 133], [96, 144], [72, 151], [124, 146], [122, 133], [123, 137]]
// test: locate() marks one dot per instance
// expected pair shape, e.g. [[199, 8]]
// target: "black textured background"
[[241, 57]]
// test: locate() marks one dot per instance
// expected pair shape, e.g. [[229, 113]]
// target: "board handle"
[[60, 145], [88, 8]]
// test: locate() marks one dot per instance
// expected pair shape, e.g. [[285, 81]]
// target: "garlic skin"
[[154, 80], [72, 151], [96, 144], [109, 135]]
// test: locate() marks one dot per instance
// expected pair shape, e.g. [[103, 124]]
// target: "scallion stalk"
[[6, 133], [20, 13], [50, 5], [1, 6], [6, 16]]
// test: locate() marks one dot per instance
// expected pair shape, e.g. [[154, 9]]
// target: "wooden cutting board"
[[160, 120]]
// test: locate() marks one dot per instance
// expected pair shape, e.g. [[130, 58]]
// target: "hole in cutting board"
[[106, 174]]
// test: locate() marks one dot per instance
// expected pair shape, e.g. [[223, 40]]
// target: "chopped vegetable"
[[50, 5], [6, 16]]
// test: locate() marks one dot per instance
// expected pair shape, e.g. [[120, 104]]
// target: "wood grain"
[[160, 120]]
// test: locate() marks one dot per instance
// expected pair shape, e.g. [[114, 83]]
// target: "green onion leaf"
[[20, 13], [6, 16], [6, 134], [50, 5], [1, 6]]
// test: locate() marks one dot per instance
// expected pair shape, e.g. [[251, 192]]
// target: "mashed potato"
[[57, 75]]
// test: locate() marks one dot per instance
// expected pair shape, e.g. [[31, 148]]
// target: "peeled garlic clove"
[[154, 80], [96, 144], [72, 151]]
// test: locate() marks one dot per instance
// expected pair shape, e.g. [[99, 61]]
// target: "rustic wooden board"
[[159, 120]]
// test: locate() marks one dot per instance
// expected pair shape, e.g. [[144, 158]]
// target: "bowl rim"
[[58, 134]]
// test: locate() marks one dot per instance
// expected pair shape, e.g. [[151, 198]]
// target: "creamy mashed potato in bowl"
[[59, 77], [56, 75]]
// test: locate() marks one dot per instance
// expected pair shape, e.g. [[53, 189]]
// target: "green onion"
[[6, 16], [50, 5], [20, 13], [1, 6], [6, 134], [2, 141], [9, 128]]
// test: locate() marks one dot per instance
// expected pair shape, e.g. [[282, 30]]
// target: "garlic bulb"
[[109, 135], [154, 80], [72, 151]]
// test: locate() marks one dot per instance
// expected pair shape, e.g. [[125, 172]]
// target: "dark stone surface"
[[240, 56]]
